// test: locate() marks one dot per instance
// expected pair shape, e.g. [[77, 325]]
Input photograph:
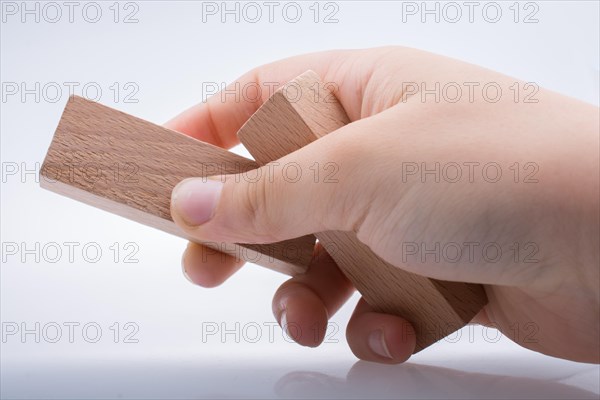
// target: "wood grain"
[[129, 167], [434, 308]]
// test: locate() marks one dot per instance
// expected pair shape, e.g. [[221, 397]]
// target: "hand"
[[521, 218]]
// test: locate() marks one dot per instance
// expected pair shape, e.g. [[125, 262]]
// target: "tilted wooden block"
[[435, 308], [129, 167]]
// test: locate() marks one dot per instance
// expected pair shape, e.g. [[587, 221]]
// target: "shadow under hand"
[[413, 381]]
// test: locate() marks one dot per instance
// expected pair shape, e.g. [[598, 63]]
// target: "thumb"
[[314, 189]]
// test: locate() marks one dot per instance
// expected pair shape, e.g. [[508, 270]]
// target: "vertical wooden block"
[[129, 167], [283, 125]]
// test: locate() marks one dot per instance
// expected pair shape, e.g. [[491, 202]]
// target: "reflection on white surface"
[[413, 381], [230, 378]]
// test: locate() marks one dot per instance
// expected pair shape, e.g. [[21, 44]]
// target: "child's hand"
[[455, 181]]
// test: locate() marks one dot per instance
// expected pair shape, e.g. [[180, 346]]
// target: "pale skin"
[[547, 203]]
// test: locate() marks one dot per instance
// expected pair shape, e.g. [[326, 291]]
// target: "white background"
[[168, 54]]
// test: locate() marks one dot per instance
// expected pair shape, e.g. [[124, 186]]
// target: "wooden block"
[[129, 167], [435, 308]]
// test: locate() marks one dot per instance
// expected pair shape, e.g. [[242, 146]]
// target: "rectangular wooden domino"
[[129, 166], [435, 308]]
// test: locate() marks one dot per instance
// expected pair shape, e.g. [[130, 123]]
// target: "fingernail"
[[378, 345], [195, 200], [284, 325], [183, 268]]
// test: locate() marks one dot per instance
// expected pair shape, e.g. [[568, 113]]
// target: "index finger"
[[218, 119]]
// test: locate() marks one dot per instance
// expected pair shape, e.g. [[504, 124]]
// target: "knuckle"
[[259, 209]]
